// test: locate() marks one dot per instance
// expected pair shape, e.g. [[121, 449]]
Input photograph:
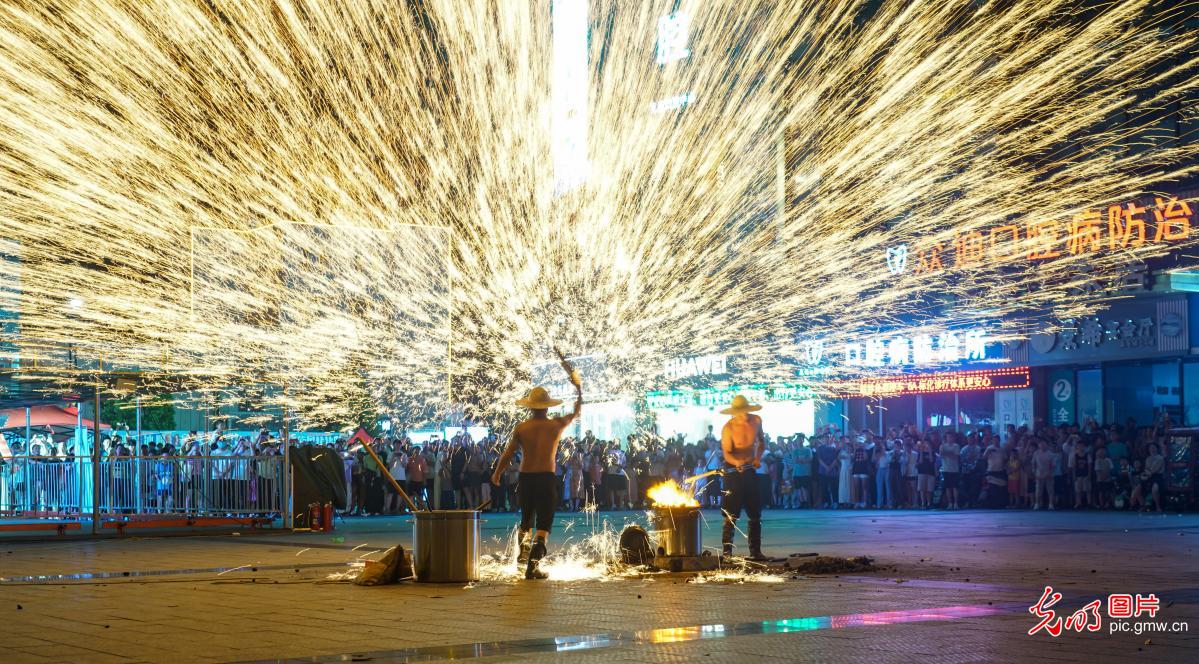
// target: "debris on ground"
[[391, 568], [834, 565], [635, 547]]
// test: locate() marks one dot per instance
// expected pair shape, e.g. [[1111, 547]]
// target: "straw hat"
[[740, 405], [538, 398]]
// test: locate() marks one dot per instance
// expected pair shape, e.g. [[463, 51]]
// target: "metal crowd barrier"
[[40, 486], [51, 487]]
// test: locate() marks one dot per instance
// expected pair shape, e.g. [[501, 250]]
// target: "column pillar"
[[289, 517], [137, 454], [96, 463]]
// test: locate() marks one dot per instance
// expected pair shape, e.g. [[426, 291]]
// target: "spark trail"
[[357, 200]]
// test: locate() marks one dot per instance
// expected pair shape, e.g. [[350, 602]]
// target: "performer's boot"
[[526, 543], [726, 538], [533, 567], [755, 540]]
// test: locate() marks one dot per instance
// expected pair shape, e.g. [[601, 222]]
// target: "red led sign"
[[956, 381]]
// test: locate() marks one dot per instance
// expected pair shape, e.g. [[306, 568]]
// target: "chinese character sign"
[[1123, 226], [1062, 400], [902, 350], [673, 34], [962, 381]]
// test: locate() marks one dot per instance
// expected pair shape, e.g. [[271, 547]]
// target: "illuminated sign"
[[814, 351], [673, 33], [897, 259], [907, 350], [671, 103], [956, 381], [721, 398], [569, 100], [689, 367], [1125, 226], [1140, 327]]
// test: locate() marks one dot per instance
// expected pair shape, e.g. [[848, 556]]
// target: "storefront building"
[[934, 378], [1131, 360]]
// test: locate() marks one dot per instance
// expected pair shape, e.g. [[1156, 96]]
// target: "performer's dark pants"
[[742, 491], [767, 490], [712, 490], [538, 499]]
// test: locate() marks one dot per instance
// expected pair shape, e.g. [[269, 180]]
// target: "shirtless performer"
[[537, 439], [743, 444]]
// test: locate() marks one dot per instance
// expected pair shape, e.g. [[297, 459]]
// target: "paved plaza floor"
[[957, 587]]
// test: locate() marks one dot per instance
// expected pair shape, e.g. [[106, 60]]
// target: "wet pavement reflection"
[[668, 635]]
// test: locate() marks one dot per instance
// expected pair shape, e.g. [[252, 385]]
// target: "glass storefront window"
[[1090, 395], [863, 414], [898, 411], [1129, 391], [1167, 392], [832, 412], [872, 415], [1141, 391], [976, 411], [1190, 392], [938, 411], [855, 415]]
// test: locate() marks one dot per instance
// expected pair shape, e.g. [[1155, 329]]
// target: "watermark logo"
[[1121, 611]]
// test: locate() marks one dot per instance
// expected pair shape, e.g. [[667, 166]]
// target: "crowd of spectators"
[[214, 471], [1072, 467], [1061, 467]]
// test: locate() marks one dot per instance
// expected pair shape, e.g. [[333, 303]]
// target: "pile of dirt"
[[832, 565]]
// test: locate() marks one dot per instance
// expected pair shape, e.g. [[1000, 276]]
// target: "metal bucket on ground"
[[445, 546], [678, 531]]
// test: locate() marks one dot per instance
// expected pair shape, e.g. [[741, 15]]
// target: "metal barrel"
[[446, 546], [678, 531]]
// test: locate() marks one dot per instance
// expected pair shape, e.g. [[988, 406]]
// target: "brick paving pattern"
[[176, 605]]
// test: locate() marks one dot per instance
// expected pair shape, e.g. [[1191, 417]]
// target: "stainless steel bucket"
[[446, 546], [678, 531]]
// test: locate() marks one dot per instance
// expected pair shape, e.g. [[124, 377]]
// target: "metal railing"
[[178, 485], [40, 486]]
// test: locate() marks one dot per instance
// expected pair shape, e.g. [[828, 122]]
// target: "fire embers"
[[675, 524], [670, 494]]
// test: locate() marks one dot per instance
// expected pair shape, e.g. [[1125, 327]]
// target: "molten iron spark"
[[357, 204]]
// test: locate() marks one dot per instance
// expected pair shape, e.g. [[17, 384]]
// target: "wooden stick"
[[387, 474], [719, 471], [690, 480], [569, 369]]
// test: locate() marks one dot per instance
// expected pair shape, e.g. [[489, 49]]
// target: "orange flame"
[[670, 494]]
